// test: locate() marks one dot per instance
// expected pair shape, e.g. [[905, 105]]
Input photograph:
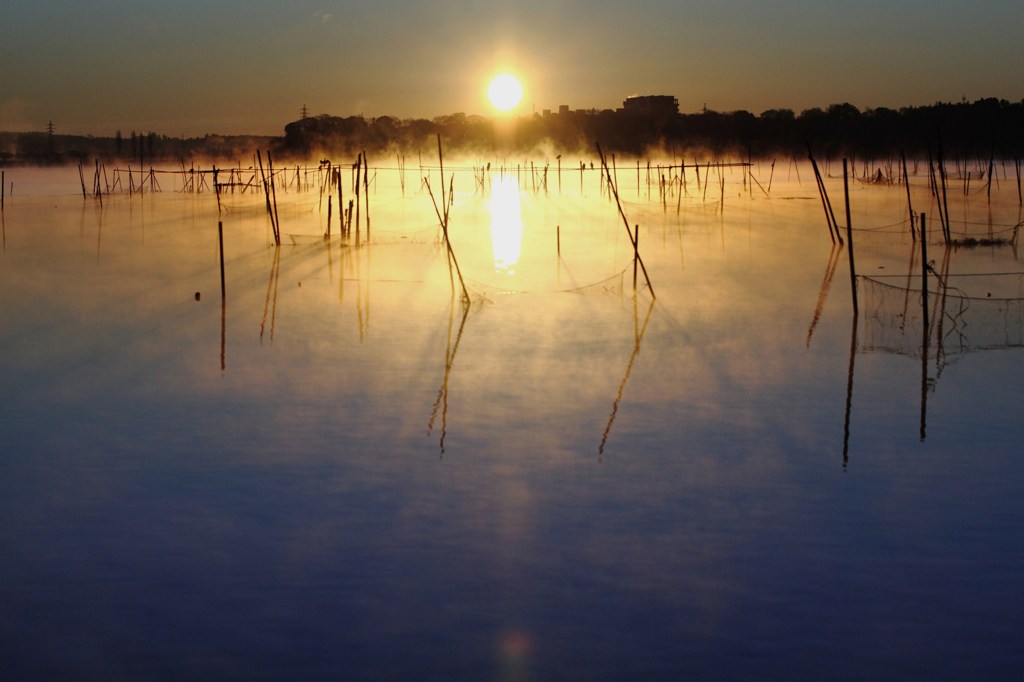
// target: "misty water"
[[341, 470]]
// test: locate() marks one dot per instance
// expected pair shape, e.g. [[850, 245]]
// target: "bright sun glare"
[[505, 91]]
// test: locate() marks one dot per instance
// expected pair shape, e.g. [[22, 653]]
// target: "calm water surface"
[[344, 473]]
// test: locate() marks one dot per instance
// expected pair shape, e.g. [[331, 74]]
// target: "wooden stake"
[[924, 268]]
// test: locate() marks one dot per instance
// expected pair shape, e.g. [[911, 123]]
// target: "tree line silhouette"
[[984, 128]]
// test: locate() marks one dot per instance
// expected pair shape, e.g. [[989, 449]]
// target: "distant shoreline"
[[983, 129]]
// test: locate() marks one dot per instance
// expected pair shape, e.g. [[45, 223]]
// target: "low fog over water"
[[572, 464]]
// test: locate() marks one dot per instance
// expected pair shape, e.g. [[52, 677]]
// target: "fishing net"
[[610, 286], [989, 317]]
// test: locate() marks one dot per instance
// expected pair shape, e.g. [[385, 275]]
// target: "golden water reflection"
[[506, 223], [446, 452]]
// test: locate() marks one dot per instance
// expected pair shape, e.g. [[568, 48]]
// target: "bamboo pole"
[[442, 216], [401, 172], [636, 252], [721, 184], [934, 187], [682, 188], [906, 184], [359, 170], [1020, 198], [924, 271], [945, 202], [991, 161], [97, 190], [216, 188], [924, 325], [81, 177], [325, 183], [341, 206], [366, 192], [625, 221], [273, 191], [266, 196], [849, 239], [830, 217]]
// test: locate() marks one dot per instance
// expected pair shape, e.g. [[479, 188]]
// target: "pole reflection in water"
[[830, 271], [849, 391], [223, 300], [441, 403], [638, 336], [506, 223], [270, 303]]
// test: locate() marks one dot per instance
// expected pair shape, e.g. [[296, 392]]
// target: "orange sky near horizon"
[[234, 67]]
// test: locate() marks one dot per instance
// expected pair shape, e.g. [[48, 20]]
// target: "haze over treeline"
[[983, 128]]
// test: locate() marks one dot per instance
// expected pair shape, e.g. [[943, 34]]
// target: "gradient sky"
[[247, 66]]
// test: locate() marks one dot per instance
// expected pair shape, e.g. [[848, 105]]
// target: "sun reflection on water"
[[506, 223]]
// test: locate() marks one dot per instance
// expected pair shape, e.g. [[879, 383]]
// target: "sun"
[[505, 91]]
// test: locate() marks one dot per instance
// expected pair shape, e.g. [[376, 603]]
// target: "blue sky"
[[231, 67]]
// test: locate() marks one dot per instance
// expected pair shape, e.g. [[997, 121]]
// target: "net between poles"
[[988, 317]]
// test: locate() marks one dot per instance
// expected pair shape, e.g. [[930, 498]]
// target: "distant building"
[[651, 105], [563, 109]]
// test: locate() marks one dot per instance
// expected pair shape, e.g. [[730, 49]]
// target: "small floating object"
[[197, 295], [972, 242]]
